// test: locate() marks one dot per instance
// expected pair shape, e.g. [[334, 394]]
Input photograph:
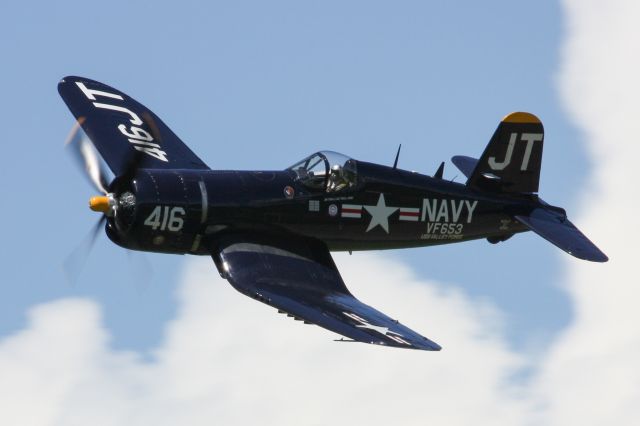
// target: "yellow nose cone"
[[99, 204]]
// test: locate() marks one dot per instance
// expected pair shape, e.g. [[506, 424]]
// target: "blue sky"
[[252, 85], [259, 85]]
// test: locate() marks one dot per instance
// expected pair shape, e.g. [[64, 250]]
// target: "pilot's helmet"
[[349, 170], [336, 169]]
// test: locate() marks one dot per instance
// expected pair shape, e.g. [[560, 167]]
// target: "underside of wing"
[[298, 276], [120, 128]]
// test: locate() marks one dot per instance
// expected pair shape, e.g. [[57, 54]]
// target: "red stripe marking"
[[351, 210], [409, 214]]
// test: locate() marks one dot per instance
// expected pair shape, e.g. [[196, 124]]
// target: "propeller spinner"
[[103, 203]]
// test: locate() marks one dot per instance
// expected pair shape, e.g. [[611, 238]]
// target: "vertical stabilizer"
[[512, 159]]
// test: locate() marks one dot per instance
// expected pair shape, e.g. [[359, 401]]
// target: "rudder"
[[511, 161]]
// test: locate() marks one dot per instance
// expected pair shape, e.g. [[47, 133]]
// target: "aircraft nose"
[[99, 204]]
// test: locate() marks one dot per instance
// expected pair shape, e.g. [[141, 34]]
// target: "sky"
[[529, 334]]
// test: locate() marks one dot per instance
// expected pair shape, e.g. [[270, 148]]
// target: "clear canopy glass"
[[327, 171]]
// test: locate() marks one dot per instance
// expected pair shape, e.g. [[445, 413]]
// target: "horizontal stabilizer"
[[466, 164], [558, 230]]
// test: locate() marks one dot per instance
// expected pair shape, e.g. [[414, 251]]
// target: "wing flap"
[[120, 127], [298, 276], [558, 230]]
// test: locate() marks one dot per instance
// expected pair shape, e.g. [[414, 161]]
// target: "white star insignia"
[[363, 323], [379, 329], [380, 214]]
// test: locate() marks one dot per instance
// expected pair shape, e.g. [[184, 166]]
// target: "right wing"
[[121, 128], [298, 276]]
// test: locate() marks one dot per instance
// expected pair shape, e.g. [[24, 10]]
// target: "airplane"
[[270, 233]]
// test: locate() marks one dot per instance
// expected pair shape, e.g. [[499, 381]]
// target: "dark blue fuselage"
[[182, 211]]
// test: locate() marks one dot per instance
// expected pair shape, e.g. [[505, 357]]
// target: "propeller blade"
[[135, 159], [133, 163], [88, 158], [74, 263]]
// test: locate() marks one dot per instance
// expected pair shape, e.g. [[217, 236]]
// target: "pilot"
[[337, 180]]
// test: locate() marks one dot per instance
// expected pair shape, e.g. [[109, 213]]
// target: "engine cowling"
[[159, 211]]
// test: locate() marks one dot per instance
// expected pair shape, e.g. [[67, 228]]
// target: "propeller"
[[76, 260], [89, 160], [87, 157]]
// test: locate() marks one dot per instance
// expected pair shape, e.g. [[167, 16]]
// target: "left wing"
[[558, 230], [298, 276]]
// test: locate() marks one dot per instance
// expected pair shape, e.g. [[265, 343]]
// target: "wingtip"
[[433, 346], [65, 80], [62, 82], [67, 77], [598, 258], [428, 345], [591, 254], [72, 78]]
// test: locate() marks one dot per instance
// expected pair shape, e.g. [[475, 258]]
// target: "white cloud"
[[228, 360], [591, 374]]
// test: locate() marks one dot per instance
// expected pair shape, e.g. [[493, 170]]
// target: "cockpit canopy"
[[326, 171]]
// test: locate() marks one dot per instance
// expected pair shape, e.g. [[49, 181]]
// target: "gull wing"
[[120, 127], [298, 277]]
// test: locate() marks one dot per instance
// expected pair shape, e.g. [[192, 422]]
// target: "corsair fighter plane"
[[270, 233]]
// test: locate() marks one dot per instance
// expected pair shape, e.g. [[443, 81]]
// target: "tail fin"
[[511, 162]]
